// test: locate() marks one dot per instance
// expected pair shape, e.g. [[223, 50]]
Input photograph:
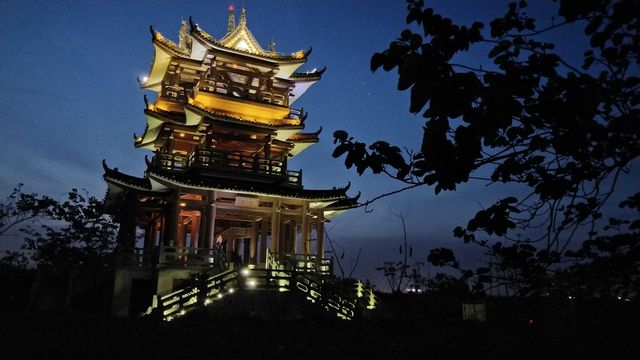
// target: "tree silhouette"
[[19, 208], [77, 235], [566, 132]]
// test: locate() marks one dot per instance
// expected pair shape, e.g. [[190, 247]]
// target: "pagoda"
[[217, 197]]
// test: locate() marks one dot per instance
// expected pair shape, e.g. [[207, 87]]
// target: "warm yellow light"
[[219, 296], [170, 106], [252, 283], [242, 45], [244, 272], [181, 134], [182, 312], [231, 290], [263, 113], [207, 301], [183, 204]]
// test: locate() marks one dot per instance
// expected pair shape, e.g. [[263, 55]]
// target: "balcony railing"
[[171, 255], [186, 256], [227, 161], [229, 88], [299, 263]]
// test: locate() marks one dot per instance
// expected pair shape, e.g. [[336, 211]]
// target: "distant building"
[[218, 194]]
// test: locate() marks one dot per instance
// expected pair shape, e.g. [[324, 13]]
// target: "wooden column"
[[253, 246], [282, 242], [211, 220], [148, 236], [305, 228], [246, 250], [293, 236], [264, 229], [171, 223], [202, 236], [181, 233], [195, 229], [275, 226], [127, 232], [230, 247], [320, 235]]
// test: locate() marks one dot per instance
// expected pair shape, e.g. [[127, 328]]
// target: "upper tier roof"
[[240, 40]]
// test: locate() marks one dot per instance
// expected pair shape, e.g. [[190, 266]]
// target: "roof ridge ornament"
[[184, 38], [231, 24], [243, 17]]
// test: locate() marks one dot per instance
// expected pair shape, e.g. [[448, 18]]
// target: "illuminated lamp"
[[244, 272], [252, 283], [183, 204]]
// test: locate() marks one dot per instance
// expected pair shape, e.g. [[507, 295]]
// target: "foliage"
[[198, 280], [78, 235], [400, 274], [447, 285], [564, 132], [20, 207]]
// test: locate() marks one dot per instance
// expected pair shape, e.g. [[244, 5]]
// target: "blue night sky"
[[69, 98]]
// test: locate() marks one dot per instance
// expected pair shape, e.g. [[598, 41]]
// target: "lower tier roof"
[[158, 181]]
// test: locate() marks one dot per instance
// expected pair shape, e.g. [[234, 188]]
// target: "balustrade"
[[171, 255], [187, 256], [299, 263], [227, 161]]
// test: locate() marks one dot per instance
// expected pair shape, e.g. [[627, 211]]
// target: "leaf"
[[501, 47], [409, 70], [340, 149], [340, 135], [377, 60]]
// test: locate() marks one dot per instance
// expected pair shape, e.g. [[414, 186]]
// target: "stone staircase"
[[281, 273]]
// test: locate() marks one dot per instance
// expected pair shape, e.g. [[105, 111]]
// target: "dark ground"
[[404, 327]]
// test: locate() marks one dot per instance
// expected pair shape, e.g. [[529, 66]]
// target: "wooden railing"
[[276, 275], [171, 255], [299, 263], [186, 256], [227, 87], [227, 161]]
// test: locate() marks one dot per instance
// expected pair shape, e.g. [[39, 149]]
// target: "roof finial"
[[232, 19], [272, 46], [243, 17], [185, 39]]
